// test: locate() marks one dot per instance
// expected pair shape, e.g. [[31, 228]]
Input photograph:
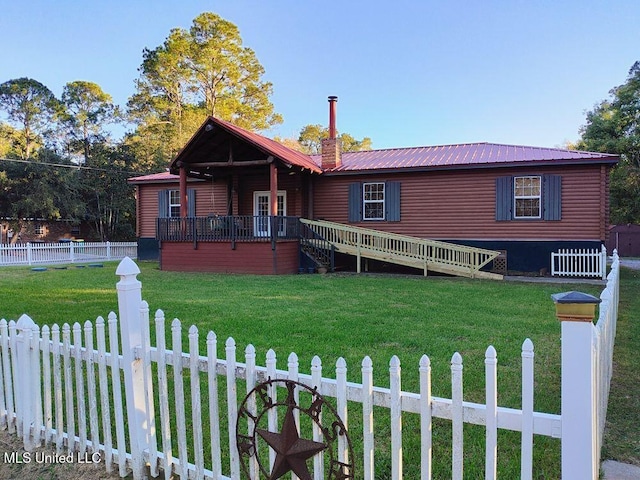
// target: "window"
[[39, 230], [169, 203], [527, 193], [174, 203], [529, 197], [373, 201]]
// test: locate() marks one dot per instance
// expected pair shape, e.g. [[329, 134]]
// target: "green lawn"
[[353, 316]]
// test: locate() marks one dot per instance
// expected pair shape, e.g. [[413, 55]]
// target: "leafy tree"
[[613, 126], [311, 136], [8, 136], [87, 109], [107, 197], [202, 71], [40, 190], [32, 107]]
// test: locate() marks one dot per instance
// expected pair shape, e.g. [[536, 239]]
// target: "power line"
[[62, 165]]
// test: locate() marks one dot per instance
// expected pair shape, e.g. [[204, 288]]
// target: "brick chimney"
[[331, 147]]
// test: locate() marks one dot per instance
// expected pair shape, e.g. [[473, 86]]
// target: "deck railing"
[[227, 228], [405, 250]]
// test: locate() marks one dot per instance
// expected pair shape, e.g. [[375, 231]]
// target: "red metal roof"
[[155, 178], [469, 155]]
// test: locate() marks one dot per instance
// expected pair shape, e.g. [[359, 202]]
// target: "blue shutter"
[[163, 203], [552, 197], [504, 198], [355, 202], [392, 201], [191, 202]]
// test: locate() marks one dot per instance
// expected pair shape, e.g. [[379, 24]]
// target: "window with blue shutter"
[[374, 201], [525, 199], [169, 203]]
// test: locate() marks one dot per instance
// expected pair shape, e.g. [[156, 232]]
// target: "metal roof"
[[214, 139], [468, 155], [155, 178]]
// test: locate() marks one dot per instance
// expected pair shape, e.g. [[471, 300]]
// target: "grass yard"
[[352, 316]]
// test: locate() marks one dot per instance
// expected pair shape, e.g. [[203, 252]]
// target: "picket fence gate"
[[580, 263], [65, 252], [56, 388]]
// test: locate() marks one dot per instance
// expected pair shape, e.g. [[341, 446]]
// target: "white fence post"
[[29, 391], [578, 390], [139, 414], [603, 262]]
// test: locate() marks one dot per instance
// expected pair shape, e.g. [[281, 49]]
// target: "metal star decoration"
[[292, 452], [289, 453]]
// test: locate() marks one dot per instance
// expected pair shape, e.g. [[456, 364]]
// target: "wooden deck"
[[427, 255]]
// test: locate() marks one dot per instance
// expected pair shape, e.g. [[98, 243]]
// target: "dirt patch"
[[43, 463]]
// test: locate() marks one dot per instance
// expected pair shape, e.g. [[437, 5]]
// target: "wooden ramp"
[[427, 255]]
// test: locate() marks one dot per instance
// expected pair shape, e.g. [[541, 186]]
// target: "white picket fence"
[[580, 263], [68, 252], [57, 388]]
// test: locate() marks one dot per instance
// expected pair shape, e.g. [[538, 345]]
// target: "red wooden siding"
[[460, 205], [218, 257], [292, 184]]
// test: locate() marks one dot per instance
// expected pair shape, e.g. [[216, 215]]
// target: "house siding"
[[461, 204]]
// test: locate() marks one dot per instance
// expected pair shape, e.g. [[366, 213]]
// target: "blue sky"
[[407, 73]]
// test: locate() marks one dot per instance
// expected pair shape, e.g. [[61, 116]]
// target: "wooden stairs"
[[427, 255]]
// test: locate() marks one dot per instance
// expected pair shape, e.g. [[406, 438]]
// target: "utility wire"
[[62, 165]]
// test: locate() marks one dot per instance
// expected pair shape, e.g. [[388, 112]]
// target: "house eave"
[[425, 169]]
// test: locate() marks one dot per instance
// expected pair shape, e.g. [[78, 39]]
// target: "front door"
[[261, 211]]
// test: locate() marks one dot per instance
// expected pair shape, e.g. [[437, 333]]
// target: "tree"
[[39, 189], [311, 136], [202, 71], [87, 109], [613, 126], [31, 106], [108, 199]]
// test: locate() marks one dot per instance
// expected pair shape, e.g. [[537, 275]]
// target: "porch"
[[257, 244], [280, 245]]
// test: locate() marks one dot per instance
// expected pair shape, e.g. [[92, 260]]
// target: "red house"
[[235, 201]]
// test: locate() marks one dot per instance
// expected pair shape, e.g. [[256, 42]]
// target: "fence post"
[[108, 250], [132, 334], [29, 253], [603, 263], [578, 386], [28, 389]]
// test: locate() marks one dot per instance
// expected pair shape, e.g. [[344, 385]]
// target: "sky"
[[406, 73]]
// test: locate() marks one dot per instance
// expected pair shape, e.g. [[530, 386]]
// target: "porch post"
[[273, 186], [184, 210]]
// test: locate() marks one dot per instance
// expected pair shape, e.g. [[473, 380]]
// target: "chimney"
[[331, 148]]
